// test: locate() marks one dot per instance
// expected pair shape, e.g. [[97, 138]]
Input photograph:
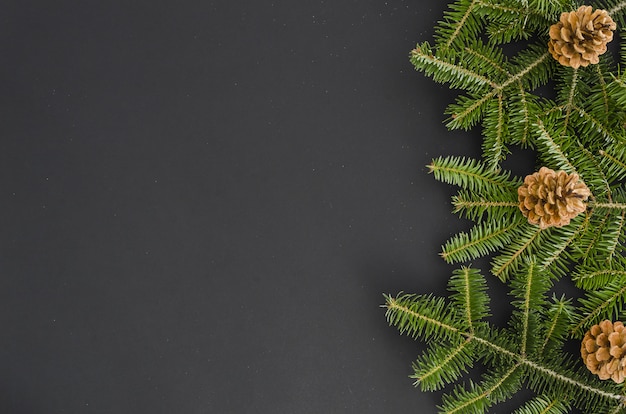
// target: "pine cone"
[[552, 198], [604, 350], [580, 36]]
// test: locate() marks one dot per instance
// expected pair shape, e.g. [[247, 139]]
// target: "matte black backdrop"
[[203, 202]]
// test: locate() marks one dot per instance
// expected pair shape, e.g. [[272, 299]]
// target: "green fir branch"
[[446, 70], [459, 20], [470, 174], [555, 325], [578, 126], [482, 239], [415, 316], [525, 241], [599, 304], [544, 405], [441, 366], [478, 208]]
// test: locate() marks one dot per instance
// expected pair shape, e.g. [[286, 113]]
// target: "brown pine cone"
[[552, 198], [604, 350], [580, 36]]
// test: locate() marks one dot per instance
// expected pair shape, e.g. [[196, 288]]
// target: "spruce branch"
[[580, 131], [613, 164], [543, 405], [482, 239], [593, 278], [617, 9], [470, 174], [446, 70], [555, 325], [477, 207], [590, 123], [605, 303], [459, 19], [551, 143], [512, 360]]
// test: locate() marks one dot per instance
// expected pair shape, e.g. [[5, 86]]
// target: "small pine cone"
[[552, 198], [580, 36], [604, 350]]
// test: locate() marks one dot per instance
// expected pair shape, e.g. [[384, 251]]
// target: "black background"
[[204, 201]]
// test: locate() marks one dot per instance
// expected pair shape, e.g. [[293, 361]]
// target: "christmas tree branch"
[[555, 150], [528, 69], [599, 302], [570, 98], [617, 8], [399, 312], [441, 70], [605, 92], [504, 263], [612, 206], [594, 123], [555, 321], [481, 240], [526, 111], [460, 23], [538, 227]]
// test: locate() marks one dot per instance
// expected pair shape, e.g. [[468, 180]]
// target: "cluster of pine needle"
[[574, 118]]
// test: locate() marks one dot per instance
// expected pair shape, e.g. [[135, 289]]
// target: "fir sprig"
[[515, 357], [575, 120]]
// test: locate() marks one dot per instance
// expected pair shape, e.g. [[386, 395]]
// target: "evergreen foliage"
[[575, 121]]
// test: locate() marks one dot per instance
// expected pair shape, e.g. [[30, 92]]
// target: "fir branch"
[[488, 56], [479, 398], [591, 123], [591, 279], [474, 207], [615, 233], [470, 174], [553, 148], [527, 69], [529, 288], [468, 292], [600, 303], [525, 111], [543, 405], [447, 70], [482, 239], [603, 89], [414, 316], [458, 19], [513, 254], [615, 10], [556, 258], [617, 88], [421, 316], [557, 320], [570, 99], [613, 165], [607, 205], [587, 245], [495, 130], [581, 132], [442, 366], [467, 111], [618, 409], [513, 11]]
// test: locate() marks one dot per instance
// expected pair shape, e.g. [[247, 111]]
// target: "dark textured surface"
[[203, 202]]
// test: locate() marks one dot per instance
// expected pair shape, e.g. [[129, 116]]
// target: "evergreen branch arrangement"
[[534, 74]]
